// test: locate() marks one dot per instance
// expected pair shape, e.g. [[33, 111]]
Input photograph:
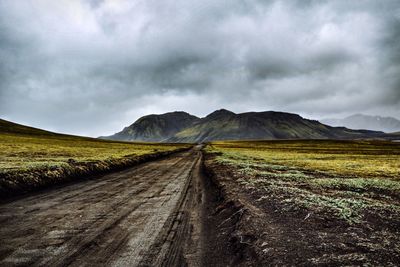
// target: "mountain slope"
[[155, 128], [226, 125], [15, 128], [360, 121]]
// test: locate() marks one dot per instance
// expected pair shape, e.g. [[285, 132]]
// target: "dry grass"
[[352, 158], [32, 160], [19, 152], [343, 178]]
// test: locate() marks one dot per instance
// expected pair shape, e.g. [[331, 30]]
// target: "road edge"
[[53, 177]]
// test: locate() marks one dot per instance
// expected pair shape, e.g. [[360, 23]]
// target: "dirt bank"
[[16, 183], [263, 232]]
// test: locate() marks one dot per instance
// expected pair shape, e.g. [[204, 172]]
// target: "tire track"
[[112, 220]]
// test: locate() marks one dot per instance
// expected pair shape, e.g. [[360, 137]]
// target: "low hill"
[[15, 128], [155, 128], [360, 121], [226, 125], [32, 158]]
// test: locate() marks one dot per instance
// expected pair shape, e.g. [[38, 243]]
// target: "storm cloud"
[[93, 67]]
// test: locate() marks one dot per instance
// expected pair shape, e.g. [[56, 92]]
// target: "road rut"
[[135, 217]]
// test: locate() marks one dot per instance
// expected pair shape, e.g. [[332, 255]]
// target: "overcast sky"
[[91, 67]]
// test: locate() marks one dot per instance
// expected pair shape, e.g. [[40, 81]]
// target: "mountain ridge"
[[223, 124], [368, 122], [154, 127]]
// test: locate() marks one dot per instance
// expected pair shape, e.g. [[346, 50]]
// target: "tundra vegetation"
[[340, 200], [345, 177], [31, 158]]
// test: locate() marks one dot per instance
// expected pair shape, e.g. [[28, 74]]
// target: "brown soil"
[[268, 234], [169, 213], [135, 217]]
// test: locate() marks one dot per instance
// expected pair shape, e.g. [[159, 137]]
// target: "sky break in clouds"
[[93, 67]]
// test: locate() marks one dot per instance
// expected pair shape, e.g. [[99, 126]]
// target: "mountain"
[[155, 128], [360, 121], [226, 125]]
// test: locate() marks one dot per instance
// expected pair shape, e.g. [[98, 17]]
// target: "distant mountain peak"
[[220, 113], [172, 113], [155, 127], [361, 121]]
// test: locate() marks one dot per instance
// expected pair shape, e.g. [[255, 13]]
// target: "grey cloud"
[[92, 66], [391, 60]]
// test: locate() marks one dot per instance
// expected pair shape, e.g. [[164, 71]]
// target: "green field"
[[23, 152], [346, 179], [32, 158]]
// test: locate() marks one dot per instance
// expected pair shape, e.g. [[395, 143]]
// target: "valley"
[[78, 201], [199, 133]]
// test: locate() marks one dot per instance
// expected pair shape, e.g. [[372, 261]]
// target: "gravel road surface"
[[142, 216]]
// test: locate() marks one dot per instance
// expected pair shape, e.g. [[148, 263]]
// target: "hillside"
[[15, 128], [155, 128], [360, 121], [226, 125]]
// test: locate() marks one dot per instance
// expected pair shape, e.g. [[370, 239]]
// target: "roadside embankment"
[[17, 182], [271, 214], [229, 241]]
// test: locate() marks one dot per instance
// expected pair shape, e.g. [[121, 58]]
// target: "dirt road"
[[137, 217]]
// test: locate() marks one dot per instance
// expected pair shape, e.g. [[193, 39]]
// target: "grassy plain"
[[311, 202], [32, 158], [22, 152], [345, 178]]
